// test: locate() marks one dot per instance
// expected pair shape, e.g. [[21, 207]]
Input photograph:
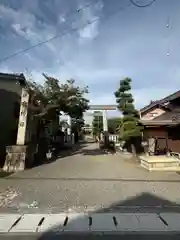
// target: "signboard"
[[23, 117]]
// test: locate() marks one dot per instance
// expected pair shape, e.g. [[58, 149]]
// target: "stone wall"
[[15, 158]]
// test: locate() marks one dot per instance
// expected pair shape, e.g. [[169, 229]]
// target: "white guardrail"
[[95, 222]]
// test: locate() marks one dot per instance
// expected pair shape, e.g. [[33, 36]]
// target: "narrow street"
[[89, 180]]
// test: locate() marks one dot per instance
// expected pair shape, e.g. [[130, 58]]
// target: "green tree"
[[130, 129], [51, 97], [114, 125], [97, 123]]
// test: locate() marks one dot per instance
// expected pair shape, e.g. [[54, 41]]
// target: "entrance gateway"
[[103, 109]]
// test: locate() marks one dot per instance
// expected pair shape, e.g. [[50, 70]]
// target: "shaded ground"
[[88, 182], [66, 151]]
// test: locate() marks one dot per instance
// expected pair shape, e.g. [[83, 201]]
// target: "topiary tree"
[[130, 129]]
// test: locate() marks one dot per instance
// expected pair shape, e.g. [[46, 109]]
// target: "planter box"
[[160, 163]]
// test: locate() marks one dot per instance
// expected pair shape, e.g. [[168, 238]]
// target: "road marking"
[[7, 221], [150, 222], [53, 222], [77, 222], [28, 223], [172, 219]]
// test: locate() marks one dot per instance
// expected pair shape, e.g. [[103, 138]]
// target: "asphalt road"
[[89, 180]]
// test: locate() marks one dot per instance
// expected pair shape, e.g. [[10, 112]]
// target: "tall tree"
[[130, 128], [53, 97], [97, 124]]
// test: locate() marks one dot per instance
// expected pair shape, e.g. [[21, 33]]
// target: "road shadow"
[[72, 150], [5, 174], [66, 151], [96, 152], [144, 203]]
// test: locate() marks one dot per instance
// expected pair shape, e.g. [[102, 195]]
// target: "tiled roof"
[[17, 77], [159, 122], [161, 101], [165, 116]]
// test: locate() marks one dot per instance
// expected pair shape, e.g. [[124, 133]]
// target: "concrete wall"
[[10, 92]]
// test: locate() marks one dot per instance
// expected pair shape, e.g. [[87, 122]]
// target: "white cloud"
[[143, 96], [62, 19], [89, 32], [106, 99], [25, 25], [120, 50], [88, 23]]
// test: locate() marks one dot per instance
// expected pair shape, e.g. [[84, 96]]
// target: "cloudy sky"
[[141, 43]]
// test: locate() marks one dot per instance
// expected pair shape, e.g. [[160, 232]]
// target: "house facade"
[[10, 98], [17, 123], [161, 121]]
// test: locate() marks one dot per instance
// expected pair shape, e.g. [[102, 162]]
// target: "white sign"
[[23, 117]]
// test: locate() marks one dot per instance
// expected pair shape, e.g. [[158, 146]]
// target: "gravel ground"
[[89, 181]]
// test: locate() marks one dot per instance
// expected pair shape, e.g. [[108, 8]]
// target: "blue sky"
[[134, 43]]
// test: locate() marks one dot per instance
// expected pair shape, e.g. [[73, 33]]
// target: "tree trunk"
[[133, 149]]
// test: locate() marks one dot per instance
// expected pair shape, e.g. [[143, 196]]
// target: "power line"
[[110, 15], [142, 6], [79, 10], [62, 34], [48, 40]]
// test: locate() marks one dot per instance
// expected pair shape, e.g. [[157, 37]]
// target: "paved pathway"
[[90, 181]]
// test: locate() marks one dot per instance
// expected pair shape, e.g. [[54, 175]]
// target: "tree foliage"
[[51, 97], [114, 125], [130, 122], [97, 123]]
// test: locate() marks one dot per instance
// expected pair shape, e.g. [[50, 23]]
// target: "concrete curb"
[[117, 223]]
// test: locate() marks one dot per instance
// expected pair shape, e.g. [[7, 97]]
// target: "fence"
[[114, 138]]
